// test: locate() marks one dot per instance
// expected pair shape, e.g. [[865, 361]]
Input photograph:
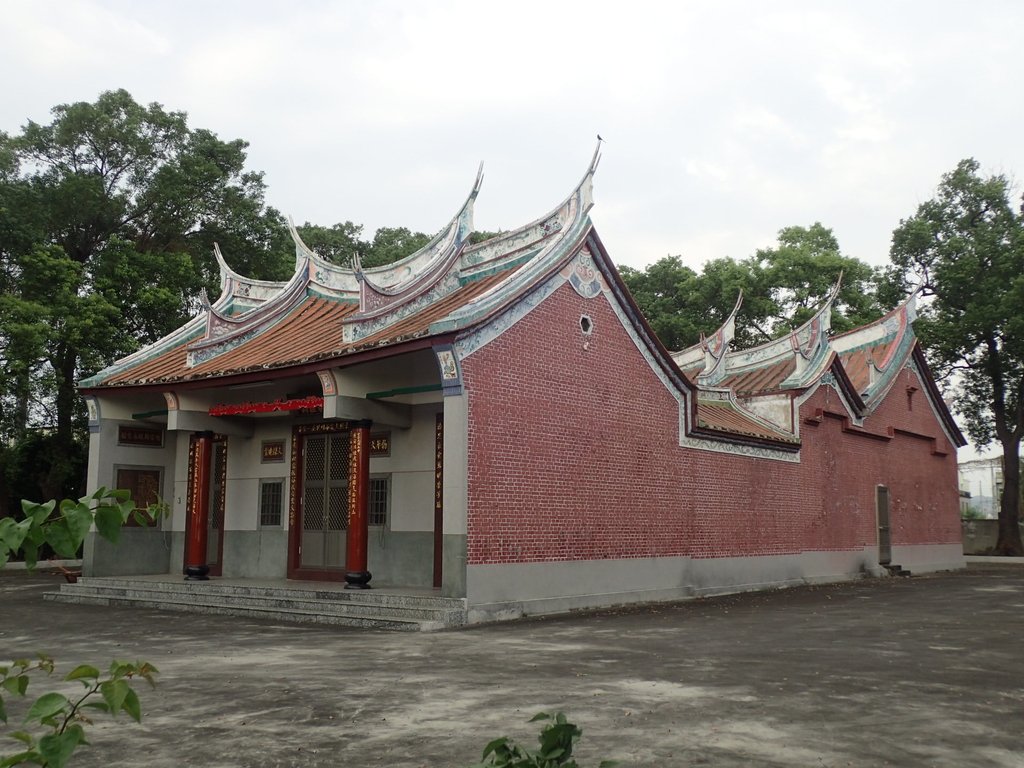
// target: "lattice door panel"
[[325, 499]]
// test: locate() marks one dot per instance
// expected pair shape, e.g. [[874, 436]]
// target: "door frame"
[[294, 569], [216, 569]]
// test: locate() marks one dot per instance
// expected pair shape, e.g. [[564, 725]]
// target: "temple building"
[[497, 424]]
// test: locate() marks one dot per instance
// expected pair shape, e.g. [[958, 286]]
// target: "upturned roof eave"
[[297, 368]]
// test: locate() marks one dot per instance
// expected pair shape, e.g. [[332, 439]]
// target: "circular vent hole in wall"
[[586, 324]]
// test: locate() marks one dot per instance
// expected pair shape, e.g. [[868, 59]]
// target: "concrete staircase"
[[373, 609]]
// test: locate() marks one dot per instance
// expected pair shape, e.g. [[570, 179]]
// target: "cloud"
[[724, 121]]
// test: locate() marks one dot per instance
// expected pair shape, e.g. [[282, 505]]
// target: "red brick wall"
[[574, 454]]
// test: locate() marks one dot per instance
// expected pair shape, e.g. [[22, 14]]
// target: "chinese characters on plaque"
[[272, 451], [380, 444], [438, 464], [152, 438]]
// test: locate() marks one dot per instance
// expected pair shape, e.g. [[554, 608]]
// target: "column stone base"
[[358, 580]]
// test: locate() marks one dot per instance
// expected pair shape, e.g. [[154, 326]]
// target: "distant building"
[[499, 422], [981, 485]]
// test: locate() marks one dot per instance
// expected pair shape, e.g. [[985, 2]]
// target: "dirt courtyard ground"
[[926, 671]]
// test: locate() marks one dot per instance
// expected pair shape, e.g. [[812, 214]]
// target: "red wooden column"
[[358, 513], [198, 521]]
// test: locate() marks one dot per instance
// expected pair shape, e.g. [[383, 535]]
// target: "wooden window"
[[143, 483]]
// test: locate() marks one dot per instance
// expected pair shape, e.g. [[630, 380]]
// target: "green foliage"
[[667, 293], [964, 252], [782, 288], [971, 512], [339, 243], [557, 739], [107, 220], [56, 720], [481, 236], [801, 270], [391, 244], [64, 526]]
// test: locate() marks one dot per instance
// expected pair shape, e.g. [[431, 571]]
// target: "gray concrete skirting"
[[138, 551], [42, 565], [500, 592], [395, 557], [994, 559]]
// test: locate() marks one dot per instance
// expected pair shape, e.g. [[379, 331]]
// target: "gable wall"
[[924, 500], [574, 455], [555, 428]]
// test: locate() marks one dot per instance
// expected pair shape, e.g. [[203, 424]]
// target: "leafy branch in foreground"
[[62, 717], [557, 739], [64, 528]]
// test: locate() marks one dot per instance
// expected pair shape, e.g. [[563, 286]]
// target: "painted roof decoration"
[[328, 311], [456, 294], [710, 351], [766, 383]]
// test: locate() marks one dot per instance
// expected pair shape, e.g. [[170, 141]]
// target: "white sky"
[[724, 121]]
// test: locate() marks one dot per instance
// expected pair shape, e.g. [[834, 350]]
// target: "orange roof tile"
[[720, 415], [763, 379], [855, 362], [312, 331]]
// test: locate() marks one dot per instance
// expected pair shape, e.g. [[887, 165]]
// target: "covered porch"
[[271, 468]]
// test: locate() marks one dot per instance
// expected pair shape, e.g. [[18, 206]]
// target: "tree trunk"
[[1009, 542], [59, 482]]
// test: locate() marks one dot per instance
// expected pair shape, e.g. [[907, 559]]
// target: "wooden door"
[[323, 511], [884, 530]]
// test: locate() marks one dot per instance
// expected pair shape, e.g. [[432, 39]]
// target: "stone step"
[[273, 614], [214, 587], [274, 600], [897, 570], [362, 608]]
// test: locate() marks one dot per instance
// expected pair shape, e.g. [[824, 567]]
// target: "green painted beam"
[[403, 391], [149, 414]]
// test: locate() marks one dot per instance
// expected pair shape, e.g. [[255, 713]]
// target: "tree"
[[391, 244], [782, 287], [801, 271], [338, 243], [965, 250], [107, 220], [664, 292]]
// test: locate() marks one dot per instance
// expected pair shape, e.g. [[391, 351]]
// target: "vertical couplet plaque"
[[200, 450], [356, 574], [438, 497]]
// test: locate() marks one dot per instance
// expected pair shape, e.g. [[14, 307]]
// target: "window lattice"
[[271, 502], [337, 514], [316, 447], [339, 456], [313, 509], [380, 488]]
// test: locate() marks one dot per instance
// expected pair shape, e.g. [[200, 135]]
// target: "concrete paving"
[[925, 671]]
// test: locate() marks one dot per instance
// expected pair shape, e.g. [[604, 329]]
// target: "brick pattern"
[[574, 455]]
